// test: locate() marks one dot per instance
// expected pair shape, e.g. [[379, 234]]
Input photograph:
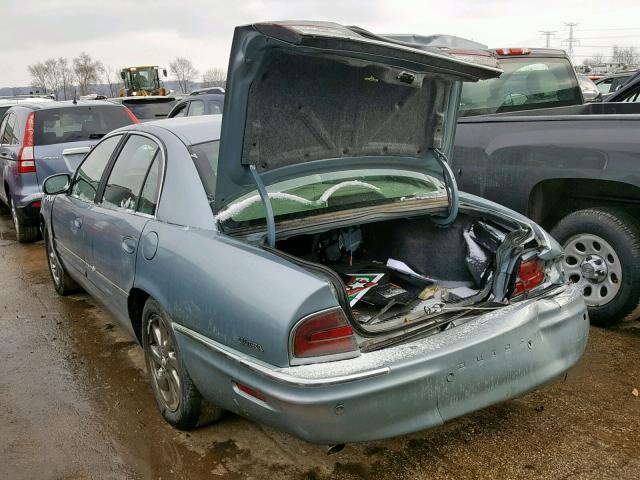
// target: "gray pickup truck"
[[526, 141]]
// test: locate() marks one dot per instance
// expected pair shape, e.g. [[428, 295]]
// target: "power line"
[[548, 34]]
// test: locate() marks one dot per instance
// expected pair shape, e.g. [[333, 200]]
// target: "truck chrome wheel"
[[163, 363], [593, 264]]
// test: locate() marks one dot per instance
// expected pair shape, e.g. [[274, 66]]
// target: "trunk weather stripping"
[[271, 222], [452, 190]]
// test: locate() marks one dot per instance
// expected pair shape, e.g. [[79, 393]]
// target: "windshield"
[[150, 110], [144, 79], [527, 83], [335, 191]]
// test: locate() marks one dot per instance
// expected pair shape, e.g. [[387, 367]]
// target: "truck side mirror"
[[122, 75], [164, 72]]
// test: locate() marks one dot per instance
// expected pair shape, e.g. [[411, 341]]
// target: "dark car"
[[149, 107], [612, 83], [629, 92], [306, 260], [44, 138], [198, 104]]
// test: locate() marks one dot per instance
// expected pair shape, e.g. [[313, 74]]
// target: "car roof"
[[192, 130], [63, 104]]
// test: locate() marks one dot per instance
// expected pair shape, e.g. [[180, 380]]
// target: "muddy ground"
[[75, 403]]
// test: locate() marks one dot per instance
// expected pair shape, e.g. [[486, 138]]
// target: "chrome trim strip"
[[272, 373]]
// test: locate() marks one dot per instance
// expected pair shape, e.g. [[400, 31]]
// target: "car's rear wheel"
[[177, 397], [62, 282], [602, 254], [25, 233]]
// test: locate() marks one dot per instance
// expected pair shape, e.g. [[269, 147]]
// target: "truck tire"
[[25, 233], [602, 256]]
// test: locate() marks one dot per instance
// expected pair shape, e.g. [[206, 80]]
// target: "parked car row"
[[306, 259]]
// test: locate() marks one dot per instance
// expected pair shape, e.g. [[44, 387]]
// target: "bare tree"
[[625, 55], [38, 73], [111, 78], [214, 77], [184, 72], [66, 76], [87, 71], [598, 58]]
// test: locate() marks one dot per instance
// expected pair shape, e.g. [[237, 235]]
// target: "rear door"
[[114, 225], [63, 136], [67, 218]]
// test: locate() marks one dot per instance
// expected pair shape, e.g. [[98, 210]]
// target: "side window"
[[633, 97], [181, 111], [127, 176], [149, 195], [215, 107], [3, 126], [196, 107], [89, 173], [9, 136]]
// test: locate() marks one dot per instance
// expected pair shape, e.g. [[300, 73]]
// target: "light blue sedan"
[[309, 262]]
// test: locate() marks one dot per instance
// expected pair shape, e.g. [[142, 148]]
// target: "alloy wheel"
[[593, 265], [54, 266], [163, 363]]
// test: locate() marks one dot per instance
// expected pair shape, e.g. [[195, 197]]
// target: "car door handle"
[[129, 244], [77, 223]]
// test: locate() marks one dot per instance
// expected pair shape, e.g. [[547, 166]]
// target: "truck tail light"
[[26, 160], [530, 275], [324, 333], [133, 118], [506, 52]]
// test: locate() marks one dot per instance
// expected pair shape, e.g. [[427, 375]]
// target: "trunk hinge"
[[452, 190], [271, 223]]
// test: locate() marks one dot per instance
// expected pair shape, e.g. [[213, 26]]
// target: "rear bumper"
[[25, 209], [402, 389]]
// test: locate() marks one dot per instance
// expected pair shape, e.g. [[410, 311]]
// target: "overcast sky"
[[120, 32]]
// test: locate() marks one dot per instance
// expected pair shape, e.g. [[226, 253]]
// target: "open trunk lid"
[[302, 97]]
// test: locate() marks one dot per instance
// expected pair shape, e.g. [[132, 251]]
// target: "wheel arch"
[[135, 304], [552, 199]]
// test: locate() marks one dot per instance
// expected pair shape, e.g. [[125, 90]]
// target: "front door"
[[114, 224], [67, 219]]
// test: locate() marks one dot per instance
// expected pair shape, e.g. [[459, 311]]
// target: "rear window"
[[150, 110], [3, 110], [79, 123], [527, 83]]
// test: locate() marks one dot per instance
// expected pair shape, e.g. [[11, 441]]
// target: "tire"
[[24, 233], [602, 255], [62, 282], [178, 399]]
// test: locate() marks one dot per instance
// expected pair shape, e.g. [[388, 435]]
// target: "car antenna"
[[75, 96]]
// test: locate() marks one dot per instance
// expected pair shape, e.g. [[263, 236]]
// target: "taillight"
[[505, 52], [133, 118], [325, 333], [37, 204], [26, 160], [530, 275]]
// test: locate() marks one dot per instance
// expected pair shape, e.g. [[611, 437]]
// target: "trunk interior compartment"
[[399, 273]]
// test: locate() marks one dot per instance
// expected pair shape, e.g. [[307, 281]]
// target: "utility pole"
[[571, 41], [548, 34]]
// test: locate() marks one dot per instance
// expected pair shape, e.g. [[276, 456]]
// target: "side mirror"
[[56, 184], [164, 72], [123, 75]]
